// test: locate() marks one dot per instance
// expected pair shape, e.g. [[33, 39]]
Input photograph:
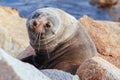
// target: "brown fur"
[[69, 47]]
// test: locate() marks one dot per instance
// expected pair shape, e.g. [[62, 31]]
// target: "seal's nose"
[[34, 23]]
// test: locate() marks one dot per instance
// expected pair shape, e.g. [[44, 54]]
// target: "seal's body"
[[59, 40]]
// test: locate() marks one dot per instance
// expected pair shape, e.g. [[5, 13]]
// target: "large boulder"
[[13, 69], [97, 68], [13, 32], [105, 34]]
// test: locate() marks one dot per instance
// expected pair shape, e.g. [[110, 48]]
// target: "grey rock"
[[13, 69], [59, 75]]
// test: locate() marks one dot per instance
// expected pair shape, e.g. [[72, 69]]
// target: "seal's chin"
[[44, 44]]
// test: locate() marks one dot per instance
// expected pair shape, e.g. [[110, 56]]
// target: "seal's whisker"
[[39, 41], [31, 32], [36, 38], [46, 46], [53, 32]]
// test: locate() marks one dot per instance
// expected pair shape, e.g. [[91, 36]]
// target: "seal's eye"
[[35, 15], [47, 25]]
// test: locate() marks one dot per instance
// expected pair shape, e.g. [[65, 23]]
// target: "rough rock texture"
[[97, 68], [105, 34], [104, 3], [113, 60], [13, 32], [13, 69], [54, 74]]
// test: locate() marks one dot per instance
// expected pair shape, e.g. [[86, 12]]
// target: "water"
[[77, 8]]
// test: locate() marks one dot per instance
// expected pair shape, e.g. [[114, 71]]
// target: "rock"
[[104, 3], [112, 60], [105, 34], [13, 32], [13, 69], [54, 74], [115, 12], [97, 68]]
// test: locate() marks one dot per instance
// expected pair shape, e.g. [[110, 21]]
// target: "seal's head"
[[42, 25]]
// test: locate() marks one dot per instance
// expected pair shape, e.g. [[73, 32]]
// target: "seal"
[[59, 40]]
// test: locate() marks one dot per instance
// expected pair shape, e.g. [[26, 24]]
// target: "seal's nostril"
[[34, 23]]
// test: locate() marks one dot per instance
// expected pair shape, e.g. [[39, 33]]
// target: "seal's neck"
[[43, 59]]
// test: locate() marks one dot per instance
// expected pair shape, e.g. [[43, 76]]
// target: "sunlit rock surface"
[[13, 32], [13, 69], [97, 68], [105, 34]]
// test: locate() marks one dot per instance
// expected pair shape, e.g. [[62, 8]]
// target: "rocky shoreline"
[[14, 40]]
